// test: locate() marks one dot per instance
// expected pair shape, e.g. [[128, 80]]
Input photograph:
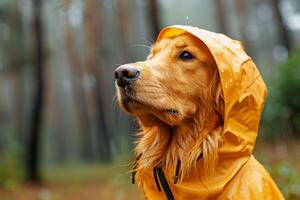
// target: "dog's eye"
[[185, 55]]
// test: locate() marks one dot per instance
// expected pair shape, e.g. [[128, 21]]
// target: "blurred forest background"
[[61, 134]]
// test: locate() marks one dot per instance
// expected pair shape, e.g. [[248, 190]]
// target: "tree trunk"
[[242, 19], [79, 97], [154, 16], [282, 29], [92, 44], [124, 21], [16, 63], [36, 117], [221, 16]]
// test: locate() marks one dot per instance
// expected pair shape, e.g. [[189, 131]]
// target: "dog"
[[197, 98]]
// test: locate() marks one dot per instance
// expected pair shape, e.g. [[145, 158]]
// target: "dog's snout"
[[125, 74]]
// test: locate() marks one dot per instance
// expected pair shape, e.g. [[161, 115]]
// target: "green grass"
[[117, 173]]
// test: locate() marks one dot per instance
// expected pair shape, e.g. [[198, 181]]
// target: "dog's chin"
[[139, 108], [130, 105], [129, 102]]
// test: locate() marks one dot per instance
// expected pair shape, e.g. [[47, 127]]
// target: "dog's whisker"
[[150, 42], [141, 45], [114, 102]]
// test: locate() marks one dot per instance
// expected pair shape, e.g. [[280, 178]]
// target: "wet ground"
[[111, 182]]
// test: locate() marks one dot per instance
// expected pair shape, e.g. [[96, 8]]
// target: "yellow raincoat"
[[238, 174]]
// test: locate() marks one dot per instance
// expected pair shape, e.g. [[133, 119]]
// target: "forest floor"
[[112, 182]]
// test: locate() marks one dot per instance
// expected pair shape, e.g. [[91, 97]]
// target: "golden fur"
[[179, 106]]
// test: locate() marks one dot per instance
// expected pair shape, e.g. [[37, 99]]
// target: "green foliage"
[[11, 168], [287, 179], [282, 112]]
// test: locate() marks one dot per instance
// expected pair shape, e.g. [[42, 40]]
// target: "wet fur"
[[179, 106]]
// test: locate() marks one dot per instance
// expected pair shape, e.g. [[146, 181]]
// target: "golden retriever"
[[198, 98]]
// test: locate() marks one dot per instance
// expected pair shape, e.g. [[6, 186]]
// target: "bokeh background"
[[62, 135]]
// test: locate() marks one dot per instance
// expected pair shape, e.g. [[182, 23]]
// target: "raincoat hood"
[[243, 88], [238, 175]]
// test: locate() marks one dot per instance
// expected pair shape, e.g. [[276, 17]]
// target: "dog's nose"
[[125, 74]]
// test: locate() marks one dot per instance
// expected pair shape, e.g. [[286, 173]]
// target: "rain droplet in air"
[[187, 19]]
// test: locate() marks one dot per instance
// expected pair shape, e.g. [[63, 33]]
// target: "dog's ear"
[[216, 94]]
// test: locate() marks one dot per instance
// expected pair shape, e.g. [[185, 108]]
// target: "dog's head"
[[178, 79]]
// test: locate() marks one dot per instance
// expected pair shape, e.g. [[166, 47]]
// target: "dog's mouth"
[[128, 98]]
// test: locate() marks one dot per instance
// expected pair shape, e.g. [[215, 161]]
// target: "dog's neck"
[[162, 145]]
